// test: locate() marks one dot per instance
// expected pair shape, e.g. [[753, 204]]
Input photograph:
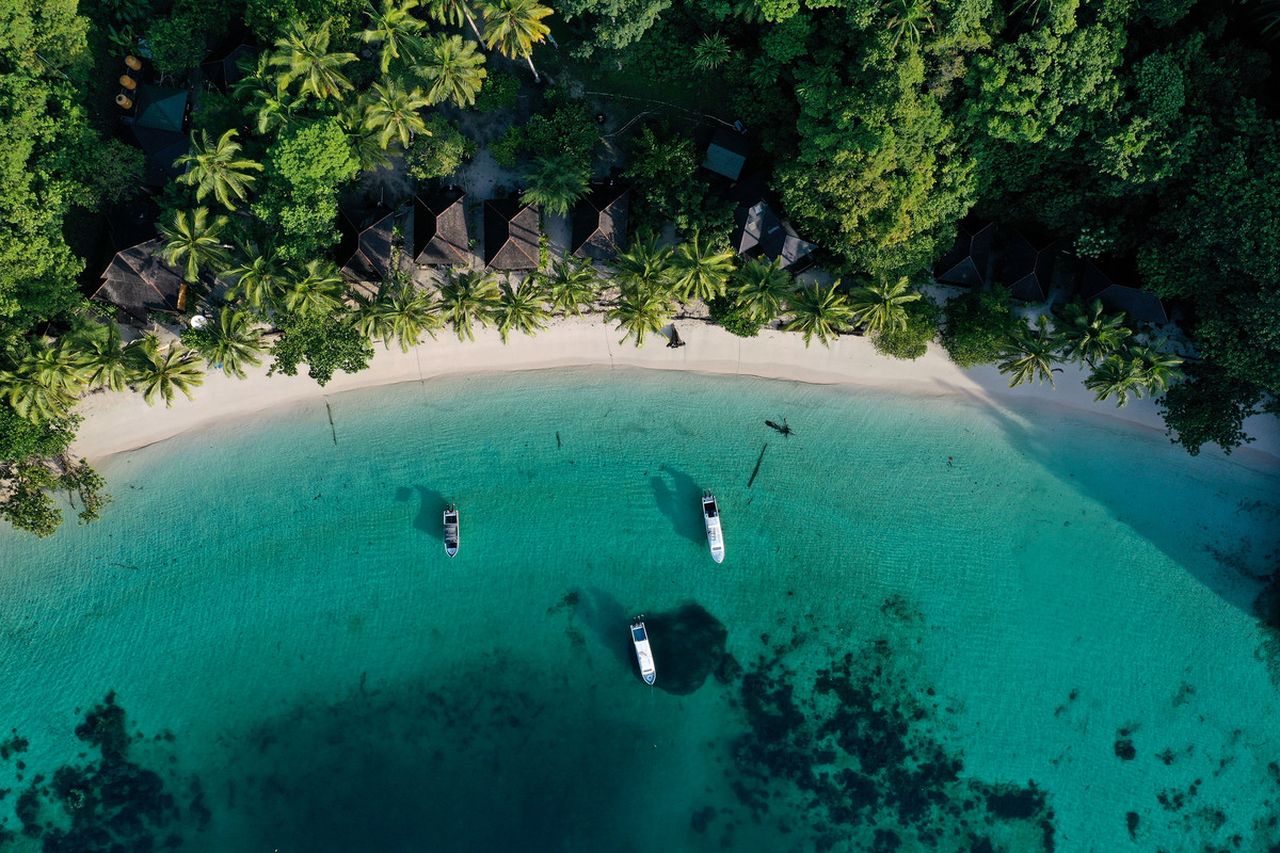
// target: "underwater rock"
[[850, 750], [110, 803], [1125, 749]]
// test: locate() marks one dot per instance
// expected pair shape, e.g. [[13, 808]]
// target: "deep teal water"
[[1045, 644]]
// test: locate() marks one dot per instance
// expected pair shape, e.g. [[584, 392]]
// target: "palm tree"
[[366, 144], [645, 266], [763, 287], [318, 290], [571, 285], [272, 109], [217, 169], [1089, 336], [102, 355], [555, 183], [698, 272], [304, 55], [711, 51], [1158, 370], [191, 242], [398, 311], [818, 312], [394, 113], [640, 309], [232, 343], [396, 29], [514, 27], [1030, 353], [259, 279], [881, 307], [452, 69], [520, 307], [468, 297], [1116, 376], [161, 374], [33, 400], [451, 12], [43, 384], [908, 19]]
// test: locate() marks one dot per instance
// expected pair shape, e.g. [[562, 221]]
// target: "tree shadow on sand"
[[431, 506], [677, 497]]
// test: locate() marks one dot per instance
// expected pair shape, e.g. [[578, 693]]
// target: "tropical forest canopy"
[[1145, 134]]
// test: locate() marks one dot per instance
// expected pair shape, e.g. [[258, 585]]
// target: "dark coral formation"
[[108, 804], [855, 744]]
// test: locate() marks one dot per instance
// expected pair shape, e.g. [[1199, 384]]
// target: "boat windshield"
[[637, 633]]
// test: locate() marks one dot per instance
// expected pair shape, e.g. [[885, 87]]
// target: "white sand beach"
[[119, 422]]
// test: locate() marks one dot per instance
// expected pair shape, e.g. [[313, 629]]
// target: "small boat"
[[644, 656], [711, 517], [451, 530]]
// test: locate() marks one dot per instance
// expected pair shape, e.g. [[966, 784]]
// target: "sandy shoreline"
[[115, 423]]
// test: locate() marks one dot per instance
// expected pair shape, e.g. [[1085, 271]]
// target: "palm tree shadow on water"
[[431, 504], [1156, 515], [678, 501]]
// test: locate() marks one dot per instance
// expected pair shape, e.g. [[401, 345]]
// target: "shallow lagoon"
[[938, 624]]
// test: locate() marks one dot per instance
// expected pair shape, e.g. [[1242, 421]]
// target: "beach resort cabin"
[[1140, 305], [760, 233], [158, 123], [228, 65], [374, 243], [600, 222], [727, 153], [970, 261], [511, 233], [440, 236], [138, 282], [1027, 271]]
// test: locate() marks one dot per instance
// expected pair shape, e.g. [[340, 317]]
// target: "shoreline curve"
[[120, 422]]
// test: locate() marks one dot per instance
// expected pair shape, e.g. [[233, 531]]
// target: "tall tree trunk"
[[528, 57], [474, 28]]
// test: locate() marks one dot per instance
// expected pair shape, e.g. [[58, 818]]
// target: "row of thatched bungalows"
[[430, 230], [991, 255]]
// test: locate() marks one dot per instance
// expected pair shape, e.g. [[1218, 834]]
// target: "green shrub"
[[506, 148], [977, 326], [733, 320], [498, 92], [911, 342], [441, 153]]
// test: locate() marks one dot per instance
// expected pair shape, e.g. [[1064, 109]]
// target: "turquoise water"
[[1044, 643]]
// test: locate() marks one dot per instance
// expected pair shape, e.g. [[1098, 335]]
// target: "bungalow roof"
[[511, 234], [727, 153], [440, 236], [600, 221], [138, 281]]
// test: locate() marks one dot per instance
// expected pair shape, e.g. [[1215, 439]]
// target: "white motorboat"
[[711, 517], [451, 530], [644, 655]]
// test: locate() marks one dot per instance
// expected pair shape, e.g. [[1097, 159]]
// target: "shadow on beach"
[[678, 501], [431, 506], [1152, 509]]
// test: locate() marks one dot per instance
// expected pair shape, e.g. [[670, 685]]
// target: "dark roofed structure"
[[1026, 270], [1141, 305], [760, 233], [226, 69], [158, 125], [373, 241], [968, 264], [511, 232], [600, 222], [138, 281], [727, 153], [440, 235]]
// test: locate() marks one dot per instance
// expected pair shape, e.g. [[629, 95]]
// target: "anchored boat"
[[644, 656], [451, 530], [711, 517]]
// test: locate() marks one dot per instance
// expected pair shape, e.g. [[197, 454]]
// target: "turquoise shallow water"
[[1045, 644]]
